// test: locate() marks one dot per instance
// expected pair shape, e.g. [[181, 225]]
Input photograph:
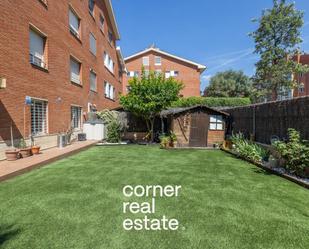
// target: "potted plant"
[[24, 150], [35, 149], [164, 141], [173, 139], [12, 154]]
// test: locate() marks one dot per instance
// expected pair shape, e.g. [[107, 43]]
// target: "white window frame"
[[73, 30], [108, 62], [216, 123], [92, 72], [109, 90], [160, 61], [145, 61], [93, 50], [39, 117], [76, 119]]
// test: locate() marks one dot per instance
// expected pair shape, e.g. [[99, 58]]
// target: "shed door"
[[199, 129]]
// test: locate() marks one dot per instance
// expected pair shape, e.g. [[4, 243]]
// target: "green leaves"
[[276, 41], [295, 153], [229, 84]]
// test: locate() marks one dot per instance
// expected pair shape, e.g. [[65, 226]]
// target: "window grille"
[[38, 117], [76, 113]]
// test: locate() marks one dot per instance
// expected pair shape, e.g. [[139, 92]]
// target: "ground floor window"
[[38, 117], [76, 115], [216, 122]]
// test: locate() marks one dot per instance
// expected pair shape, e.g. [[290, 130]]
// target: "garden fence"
[[270, 120]]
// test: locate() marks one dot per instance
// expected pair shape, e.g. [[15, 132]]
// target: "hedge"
[[211, 102]]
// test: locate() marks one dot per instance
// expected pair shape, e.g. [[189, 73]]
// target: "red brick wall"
[[304, 59], [25, 80], [215, 137], [188, 74]]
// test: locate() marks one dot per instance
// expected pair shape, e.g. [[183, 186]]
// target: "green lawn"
[[224, 203]]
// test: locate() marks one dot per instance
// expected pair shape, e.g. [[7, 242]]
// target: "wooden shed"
[[196, 126]]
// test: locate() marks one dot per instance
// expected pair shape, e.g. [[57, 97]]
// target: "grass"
[[224, 203]]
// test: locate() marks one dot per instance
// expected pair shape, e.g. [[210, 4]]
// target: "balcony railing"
[[37, 61]]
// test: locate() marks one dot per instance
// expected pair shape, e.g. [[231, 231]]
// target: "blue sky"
[[213, 33]]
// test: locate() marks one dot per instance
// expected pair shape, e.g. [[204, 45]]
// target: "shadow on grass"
[[7, 232]]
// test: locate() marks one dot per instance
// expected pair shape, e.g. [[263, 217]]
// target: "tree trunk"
[[151, 129]]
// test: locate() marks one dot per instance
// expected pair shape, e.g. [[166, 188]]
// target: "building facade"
[[302, 88], [58, 61], [154, 59]]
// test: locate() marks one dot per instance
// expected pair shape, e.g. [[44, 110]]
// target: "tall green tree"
[[149, 95], [276, 40], [229, 84]]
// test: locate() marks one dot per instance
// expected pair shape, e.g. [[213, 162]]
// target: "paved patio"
[[9, 169]]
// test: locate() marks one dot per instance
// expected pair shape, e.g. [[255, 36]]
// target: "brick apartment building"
[[302, 88], [61, 54], [154, 59]]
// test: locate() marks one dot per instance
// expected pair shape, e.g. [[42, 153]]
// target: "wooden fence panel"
[[272, 119]]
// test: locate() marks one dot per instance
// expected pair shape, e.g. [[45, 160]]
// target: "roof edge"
[[201, 67], [112, 18]]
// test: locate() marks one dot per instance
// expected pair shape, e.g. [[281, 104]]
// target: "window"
[[37, 49], [74, 22], [75, 71], [38, 117], [216, 122], [147, 73], [76, 114], [93, 45], [108, 62], [301, 88], [110, 37], [109, 91], [132, 74], [102, 22], [146, 61], [93, 81], [91, 6], [157, 60], [169, 74]]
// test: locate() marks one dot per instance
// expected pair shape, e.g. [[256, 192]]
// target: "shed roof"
[[172, 111]]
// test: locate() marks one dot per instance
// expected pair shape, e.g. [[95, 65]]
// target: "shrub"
[[295, 153], [113, 132], [211, 102], [248, 149]]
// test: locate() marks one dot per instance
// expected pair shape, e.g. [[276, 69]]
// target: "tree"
[[229, 84], [276, 41], [149, 95]]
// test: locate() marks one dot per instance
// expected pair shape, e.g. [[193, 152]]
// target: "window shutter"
[[36, 45], [74, 21]]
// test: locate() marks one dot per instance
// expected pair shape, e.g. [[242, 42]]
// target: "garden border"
[[286, 176]]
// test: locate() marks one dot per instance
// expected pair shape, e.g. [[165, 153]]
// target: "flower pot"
[[25, 152], [12, 155], [35, 150]]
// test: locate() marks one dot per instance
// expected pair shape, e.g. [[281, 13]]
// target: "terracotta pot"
[[12, 155], [25, 152], [35, 150]]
